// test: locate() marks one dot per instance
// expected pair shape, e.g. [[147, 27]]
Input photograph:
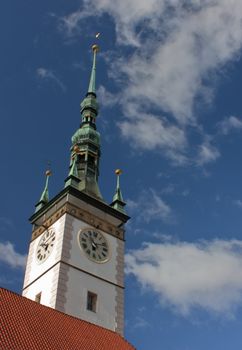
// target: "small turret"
[[73, 179], [118, 202], [44, 199]]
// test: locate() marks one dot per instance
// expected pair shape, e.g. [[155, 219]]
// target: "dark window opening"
[[91, 301], [91, 160], [81, 158]]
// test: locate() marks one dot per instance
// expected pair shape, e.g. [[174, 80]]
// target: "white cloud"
[[207, 152], [106, 98], [229, 124], [177, 47], [70, 24], [149, 206], [149, 132], [9, 256], [47, 74], [206, 275]]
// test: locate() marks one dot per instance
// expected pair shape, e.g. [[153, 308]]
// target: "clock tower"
[[76, 254]]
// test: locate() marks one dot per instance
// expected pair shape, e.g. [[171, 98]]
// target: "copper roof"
[[27, 325]]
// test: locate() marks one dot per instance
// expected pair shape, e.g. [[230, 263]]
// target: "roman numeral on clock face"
[[45, 246], [94, 244]]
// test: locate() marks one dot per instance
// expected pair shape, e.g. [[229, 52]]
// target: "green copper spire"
[[89, 106], [92, 83], [44, 199], [118, 202], [73, 179], [85, 149]]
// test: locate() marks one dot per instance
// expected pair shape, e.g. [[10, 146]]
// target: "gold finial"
[[48, 173], [95, 48], [118, 172], [76, 149]]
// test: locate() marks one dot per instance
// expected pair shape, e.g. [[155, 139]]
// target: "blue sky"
[[169, 87]]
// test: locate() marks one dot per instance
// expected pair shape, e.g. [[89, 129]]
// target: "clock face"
[[94, 244], [45, 246]]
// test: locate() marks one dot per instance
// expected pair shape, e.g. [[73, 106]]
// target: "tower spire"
[[118, 202], [85, 162], [44, 198], [92, 83]]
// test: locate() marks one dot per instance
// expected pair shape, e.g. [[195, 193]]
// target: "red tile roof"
[[27, 325]]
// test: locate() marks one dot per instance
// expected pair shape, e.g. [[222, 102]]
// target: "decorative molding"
[[94, 202], [80, 214]]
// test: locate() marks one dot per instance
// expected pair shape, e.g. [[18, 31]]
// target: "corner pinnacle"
[[44, 198], [118, 202]]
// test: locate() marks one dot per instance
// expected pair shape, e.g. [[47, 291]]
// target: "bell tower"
[[76, 255]]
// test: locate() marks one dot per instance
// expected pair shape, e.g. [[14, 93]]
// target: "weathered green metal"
[[73, 171], [85, 150], [92, 83], [73, 179], [118, 202], [44, 198]]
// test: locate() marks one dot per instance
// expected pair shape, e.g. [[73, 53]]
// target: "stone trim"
[[119, 309], [60, 300], [54, 284], [80, 214], [120, 263], [74, 267], [120, 292], [95, 276], [42, 274], [62, 283], [47, 223], [97, 203]]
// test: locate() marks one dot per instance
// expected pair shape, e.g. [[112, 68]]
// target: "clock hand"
[[94, 246], [92, 241]]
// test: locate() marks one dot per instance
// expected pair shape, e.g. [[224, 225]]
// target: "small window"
[[38, 298], [91, 160], [91, 301], [81, 157]]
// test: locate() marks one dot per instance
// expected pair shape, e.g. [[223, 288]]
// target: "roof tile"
[[27, 325]]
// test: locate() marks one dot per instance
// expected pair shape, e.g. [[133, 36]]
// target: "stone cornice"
[[80, 214], [84, 197]]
